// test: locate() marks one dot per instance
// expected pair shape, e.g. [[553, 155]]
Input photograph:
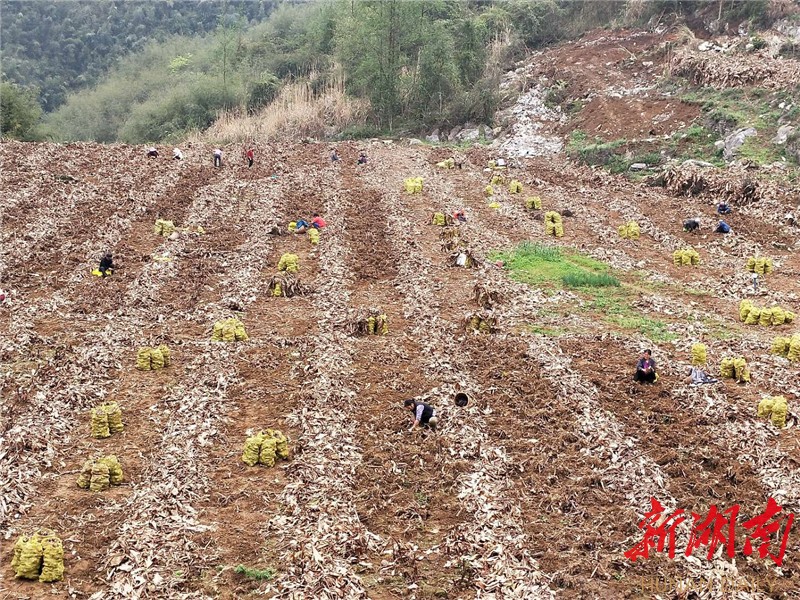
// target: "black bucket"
[[461, 399]]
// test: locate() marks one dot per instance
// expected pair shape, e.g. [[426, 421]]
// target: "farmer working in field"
[[177, 154], [723, 227], [301, 226], [645, 368], [217, 157], [691, 225], [362, 158], [318, 222], [152, 153], [106, 265], [250, 155], [423, 413], [723, 209]]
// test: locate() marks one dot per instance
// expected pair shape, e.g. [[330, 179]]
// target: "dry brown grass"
[[297, 112]]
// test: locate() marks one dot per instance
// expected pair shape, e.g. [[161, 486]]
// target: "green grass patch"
[[540, 264], [614, 308], [256, 574], [579, 280], [546, 331]]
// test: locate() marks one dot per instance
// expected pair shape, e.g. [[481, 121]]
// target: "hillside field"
[[534, 489]]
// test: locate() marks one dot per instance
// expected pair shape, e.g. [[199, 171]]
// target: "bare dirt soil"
[[532, 490]]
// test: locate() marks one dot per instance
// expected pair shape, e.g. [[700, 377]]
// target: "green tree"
[[19, 112]]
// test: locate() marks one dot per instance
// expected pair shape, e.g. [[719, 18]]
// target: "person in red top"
[[250, 155], [318, 222]]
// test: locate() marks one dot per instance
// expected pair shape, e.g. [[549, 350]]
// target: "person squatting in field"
[[423, 414], [645, 368]]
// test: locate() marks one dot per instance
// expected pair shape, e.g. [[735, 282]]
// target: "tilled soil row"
[[490, 548]]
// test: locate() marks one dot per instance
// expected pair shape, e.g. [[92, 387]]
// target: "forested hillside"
[[61, 47], [411, 64]]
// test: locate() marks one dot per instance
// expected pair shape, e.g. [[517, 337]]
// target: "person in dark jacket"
[[423, 413], [152, 153], [691, 225], [645, 368], [106, 264], [362, 159], [723, 209]]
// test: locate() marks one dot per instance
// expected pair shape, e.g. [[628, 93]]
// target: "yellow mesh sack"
[[789, 317], [216, 333], [741, 372], [726, 368], [753, 316], [686, 258], [156, 359], [699, 354], [744, 308], [143, 359], [115, 476], [515, 187], [281, 445], [793, 353], [534, 202], [165, 353], [100, 480], [85, 475], [488, 191], [778, 315], [765, 317], [765, 407], [28, 556], [780, 346], [266, 455], [413, 185], [252, 448], [289, 263], [229, 332], [438, 219], [751, 264], [240, 334], [114, 414], [52, 559], [381, 325], [292, 226], [100, 423], [313, 236], [779, 410]]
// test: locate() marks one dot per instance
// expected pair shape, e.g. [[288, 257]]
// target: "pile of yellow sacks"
[[553, 224], [762, 266], [164, 227], [39, 556], [264, 447], [515, 187], [313, 236], [99, 474], [497, 179], [686, 257], [229, 330], [774, 408], [488, 191], [534, 202], [106, 419], [629, 231], [788, 347], [750, 314], [289, 263], [699, 355], [441, 219], [735, 368], [447, 163], [413, 185], [148, 359]]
